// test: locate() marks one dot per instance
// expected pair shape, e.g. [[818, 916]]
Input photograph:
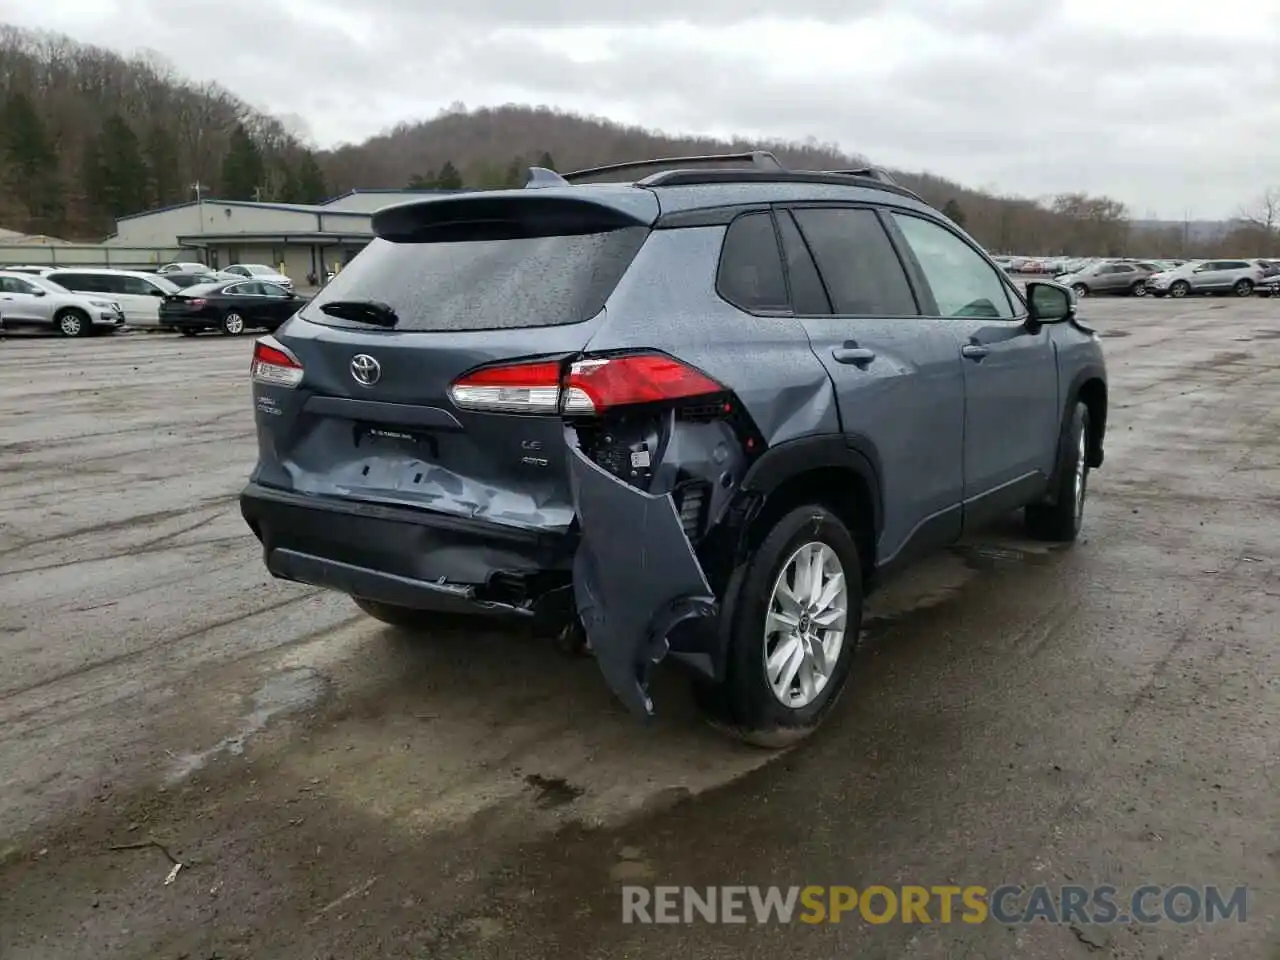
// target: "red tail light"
[[590, 386], [196, 302], [274, 365]]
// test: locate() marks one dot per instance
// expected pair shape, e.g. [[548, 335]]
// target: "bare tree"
[[1265, 211]]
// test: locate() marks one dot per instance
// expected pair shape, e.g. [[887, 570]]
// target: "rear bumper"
[[411, 558], [187, 321]]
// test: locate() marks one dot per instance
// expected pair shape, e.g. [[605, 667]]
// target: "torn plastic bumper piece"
[[635, 576]]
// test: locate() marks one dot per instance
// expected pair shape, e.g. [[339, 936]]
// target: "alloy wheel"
[[805, 625]]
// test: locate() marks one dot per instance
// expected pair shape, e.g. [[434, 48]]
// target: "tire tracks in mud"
[[222, 665], [112, 526], [136, 652]]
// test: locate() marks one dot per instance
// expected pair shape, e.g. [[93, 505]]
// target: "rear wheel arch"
[[840, 473]]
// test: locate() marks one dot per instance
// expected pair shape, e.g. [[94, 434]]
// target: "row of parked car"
[[1173, 278], [186, 297]]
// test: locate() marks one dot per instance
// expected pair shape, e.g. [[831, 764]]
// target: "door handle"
[[850, 352], [973, 351]]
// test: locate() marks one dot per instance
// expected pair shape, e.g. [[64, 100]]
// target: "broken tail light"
[[592, 385], [274, 365]]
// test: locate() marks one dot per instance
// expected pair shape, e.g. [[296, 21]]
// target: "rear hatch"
[[471, 281]]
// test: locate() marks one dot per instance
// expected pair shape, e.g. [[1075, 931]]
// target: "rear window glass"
[[485, 284]]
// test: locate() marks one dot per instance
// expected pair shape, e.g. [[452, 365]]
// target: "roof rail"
[[759, 160], [871, 173], [686, 178]]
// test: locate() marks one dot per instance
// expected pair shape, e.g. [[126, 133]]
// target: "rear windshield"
[[485, 284]]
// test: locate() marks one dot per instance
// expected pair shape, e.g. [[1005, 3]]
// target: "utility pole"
[[198, 189]]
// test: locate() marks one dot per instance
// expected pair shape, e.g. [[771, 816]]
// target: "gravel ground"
[[332, 787]]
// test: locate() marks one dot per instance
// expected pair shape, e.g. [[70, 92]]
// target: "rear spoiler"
[[514, 214]]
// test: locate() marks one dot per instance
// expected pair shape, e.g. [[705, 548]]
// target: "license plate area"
[[395, 441]]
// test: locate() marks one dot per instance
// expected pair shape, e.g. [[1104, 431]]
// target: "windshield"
[[260, 270]]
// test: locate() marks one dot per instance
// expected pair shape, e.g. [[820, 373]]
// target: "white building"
[[306, 239]]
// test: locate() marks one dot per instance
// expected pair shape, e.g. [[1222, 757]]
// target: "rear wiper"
[[362, 311]]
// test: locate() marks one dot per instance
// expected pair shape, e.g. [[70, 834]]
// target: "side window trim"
[[880, 213], [1017, 303], [920, 288], [781, 210]]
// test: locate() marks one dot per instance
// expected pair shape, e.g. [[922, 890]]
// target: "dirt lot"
[[1108, 713]]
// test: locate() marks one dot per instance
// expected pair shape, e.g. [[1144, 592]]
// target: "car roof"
[[107, 271], [684, 186]]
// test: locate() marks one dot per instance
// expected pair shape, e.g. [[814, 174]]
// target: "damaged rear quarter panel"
[[636, 573]]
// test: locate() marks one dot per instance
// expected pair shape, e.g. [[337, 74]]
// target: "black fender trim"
[[725, 552], [1071, 396], [853, 452]]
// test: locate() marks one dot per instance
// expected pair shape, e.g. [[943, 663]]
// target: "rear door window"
[[750, 274], [964, 284], [861, 270], [485, 284]]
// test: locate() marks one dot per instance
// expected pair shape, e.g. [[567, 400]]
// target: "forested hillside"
[[492, 147], [87, 135]]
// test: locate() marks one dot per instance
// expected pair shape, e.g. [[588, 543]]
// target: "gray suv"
[[1113, 276], [696, 416]]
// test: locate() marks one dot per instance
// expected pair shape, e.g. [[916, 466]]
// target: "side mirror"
[[1050, 302], [41, 293]]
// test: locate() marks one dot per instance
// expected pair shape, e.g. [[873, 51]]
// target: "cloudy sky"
[[1173, 106]]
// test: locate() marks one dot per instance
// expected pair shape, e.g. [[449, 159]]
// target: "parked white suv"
[[1207, 276], [31, 301], [260, 271], [140, 294]]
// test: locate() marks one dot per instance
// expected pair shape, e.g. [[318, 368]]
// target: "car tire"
[[1139, 289], [72, 323], [1243, 288], [1080, 290], [232, 324], [745, 704], [1179, 289], [1060, 520]]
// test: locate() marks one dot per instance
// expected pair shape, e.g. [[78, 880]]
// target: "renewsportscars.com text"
[[1007, 904]]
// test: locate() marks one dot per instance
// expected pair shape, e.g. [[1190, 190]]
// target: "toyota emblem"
[[365, 370]]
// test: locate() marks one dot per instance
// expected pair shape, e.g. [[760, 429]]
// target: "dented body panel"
[[638, 519]]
